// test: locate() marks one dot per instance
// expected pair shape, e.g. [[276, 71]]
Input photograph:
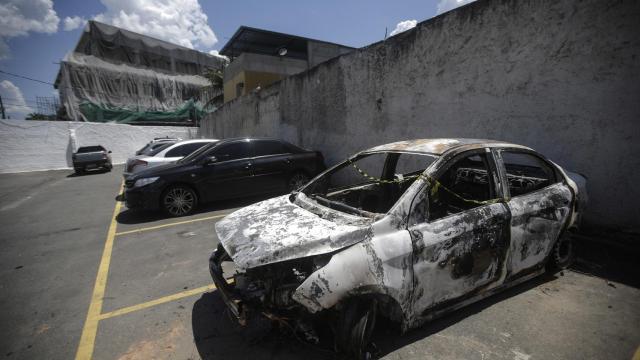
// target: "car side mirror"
[[109, 152], [210, 160]]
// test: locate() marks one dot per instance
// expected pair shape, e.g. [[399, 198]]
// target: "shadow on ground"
[[88, 172], [217, 336], [607, 260], [387, 340], [130, 216]]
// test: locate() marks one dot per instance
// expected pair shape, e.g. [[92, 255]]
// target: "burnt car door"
[[459, 228], [230, 175], [539, 202], [271, 165]]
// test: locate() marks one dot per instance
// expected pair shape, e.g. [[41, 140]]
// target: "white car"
[[166, 155]]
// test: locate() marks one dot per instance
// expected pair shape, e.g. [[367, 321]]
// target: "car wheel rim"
[[179, 201], [297, 181]]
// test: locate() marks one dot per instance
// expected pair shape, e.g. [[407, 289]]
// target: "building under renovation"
[[115, 75]]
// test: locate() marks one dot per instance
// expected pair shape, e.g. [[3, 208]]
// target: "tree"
[[215, 77], [215, 90]]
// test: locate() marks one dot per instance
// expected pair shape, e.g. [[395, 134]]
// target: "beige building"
[[261, 57]]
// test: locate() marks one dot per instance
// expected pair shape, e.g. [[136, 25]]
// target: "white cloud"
[[217, 54], [73, 22], [446, 5], [178, 21], [404, 26], [13, 100], [19, 17]]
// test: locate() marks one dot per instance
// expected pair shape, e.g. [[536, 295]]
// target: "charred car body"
[[412, 229]]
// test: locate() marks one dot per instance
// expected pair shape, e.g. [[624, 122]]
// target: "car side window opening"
[[156, 148], [368, 184], [267, 147], [234, 151], [184, 150], [464, 185], [526, 173]]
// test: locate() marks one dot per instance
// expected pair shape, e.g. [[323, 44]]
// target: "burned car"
[[409, 230]]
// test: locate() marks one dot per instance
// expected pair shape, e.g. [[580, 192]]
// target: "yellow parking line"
[[167, 225], [90, 329], [155, 302]]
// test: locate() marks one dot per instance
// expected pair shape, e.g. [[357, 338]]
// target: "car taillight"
[[104, 156], [139, 162]]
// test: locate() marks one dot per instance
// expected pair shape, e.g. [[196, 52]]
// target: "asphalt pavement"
[[82, 277]]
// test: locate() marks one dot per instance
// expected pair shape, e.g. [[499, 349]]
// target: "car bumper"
[[233, 302], [145, 198], [97, 164]]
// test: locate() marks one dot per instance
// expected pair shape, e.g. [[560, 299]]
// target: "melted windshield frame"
[[388, 186]]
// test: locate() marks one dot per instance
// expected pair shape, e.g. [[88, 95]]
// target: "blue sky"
[[36, 34]]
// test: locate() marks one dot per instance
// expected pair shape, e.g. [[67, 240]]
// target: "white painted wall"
[[47, 145]]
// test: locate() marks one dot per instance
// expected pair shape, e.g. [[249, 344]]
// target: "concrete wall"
[[264, 63], [46, 145], [319, 52], [560, 76]]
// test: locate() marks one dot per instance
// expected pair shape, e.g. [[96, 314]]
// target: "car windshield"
[[196, 154], [87, 149], [370, 183]]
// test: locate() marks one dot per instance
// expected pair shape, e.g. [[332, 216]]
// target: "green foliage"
[[215, 78]]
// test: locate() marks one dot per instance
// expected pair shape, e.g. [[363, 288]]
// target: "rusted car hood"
[[277, 230]]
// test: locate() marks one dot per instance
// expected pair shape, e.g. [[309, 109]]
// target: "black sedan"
[[226, 169]]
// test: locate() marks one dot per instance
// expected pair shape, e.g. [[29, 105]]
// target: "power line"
[[25, 100], [16, 105], [137, 97], [27, 78], [72, 87]]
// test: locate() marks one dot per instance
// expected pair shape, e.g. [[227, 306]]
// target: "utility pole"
[[2, 107]]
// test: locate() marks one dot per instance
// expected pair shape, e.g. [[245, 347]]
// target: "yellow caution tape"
[[434, 189]]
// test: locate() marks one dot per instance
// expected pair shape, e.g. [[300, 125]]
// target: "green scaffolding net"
[[189, 113]]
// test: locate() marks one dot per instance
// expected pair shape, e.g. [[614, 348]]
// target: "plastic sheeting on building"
[[188, 113], [117, 75]]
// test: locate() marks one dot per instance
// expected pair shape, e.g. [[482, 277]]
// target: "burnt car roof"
[[440, 146]]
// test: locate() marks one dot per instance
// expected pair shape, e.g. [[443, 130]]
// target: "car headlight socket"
[[145, 181]]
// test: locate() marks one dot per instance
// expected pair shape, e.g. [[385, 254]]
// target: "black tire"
[[179, 200], [354, 326], [297, 180], [562, 254]]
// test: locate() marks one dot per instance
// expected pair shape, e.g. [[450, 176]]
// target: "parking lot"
[[83, 277]]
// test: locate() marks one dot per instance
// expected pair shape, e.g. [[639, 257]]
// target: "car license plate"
[[91, 166]]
